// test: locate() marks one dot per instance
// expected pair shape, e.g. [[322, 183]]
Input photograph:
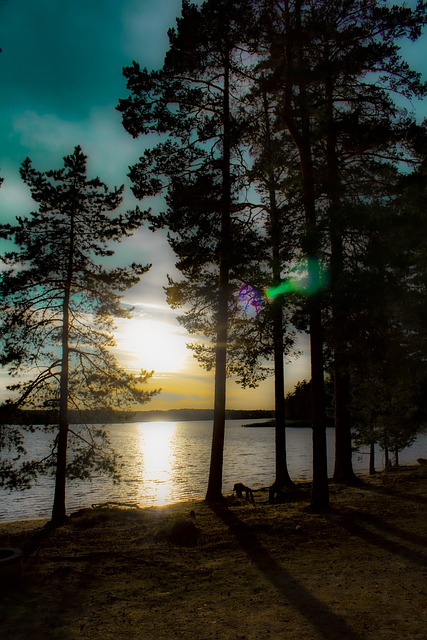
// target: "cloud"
[[46, 138], [101, 135], [148, 308], [44, 132], [15, 199], [145, 26], [183, 390]]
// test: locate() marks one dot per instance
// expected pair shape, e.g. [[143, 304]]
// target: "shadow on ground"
[[318, 615]]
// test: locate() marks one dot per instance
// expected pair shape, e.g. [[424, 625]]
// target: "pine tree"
[[319, 55], [285, 56], [388, 383], [58, 304], [352, 109], [273, 175], [195, 100]]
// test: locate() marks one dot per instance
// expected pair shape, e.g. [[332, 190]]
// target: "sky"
[[60, 81]]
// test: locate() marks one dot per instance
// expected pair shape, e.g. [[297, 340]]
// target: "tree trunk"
[[372, 471], [386, 458], [59, 515], [396, 457], [343, 471], [283, 478], [302, 138], [320, 487], [214, 491]]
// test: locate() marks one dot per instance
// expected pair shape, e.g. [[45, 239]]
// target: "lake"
[[165, 462]]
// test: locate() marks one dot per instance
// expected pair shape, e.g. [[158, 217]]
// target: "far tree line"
[[293, 173]]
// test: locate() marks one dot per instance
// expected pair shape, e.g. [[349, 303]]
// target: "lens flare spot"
[[307, 278], [249, 300]]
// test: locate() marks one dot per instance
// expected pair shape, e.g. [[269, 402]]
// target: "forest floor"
[[251, 572]]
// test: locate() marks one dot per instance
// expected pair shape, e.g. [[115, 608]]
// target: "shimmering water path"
[[165, 462]]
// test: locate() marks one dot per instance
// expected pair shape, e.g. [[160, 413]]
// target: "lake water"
[[165, 462]]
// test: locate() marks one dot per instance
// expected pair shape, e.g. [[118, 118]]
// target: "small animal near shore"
[[241, 489]]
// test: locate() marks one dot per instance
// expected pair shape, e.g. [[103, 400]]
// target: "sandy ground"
[[246, 573]]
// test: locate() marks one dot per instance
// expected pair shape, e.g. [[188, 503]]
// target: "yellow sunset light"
[[156, 444], [152, 345]]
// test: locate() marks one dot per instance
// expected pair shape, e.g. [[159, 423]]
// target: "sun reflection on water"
[[166, 463], [156, 443]]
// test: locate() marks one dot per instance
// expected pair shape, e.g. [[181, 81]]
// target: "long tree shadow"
[[357, 525], [317, 614], [392, 529], [395, 493]]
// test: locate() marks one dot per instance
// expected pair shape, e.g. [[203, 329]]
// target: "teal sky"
[[60, 81], [61, 77]]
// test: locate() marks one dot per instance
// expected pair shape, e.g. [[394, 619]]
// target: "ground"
[[248, 572]]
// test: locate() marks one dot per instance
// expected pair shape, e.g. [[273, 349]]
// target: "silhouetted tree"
[[386, 399], [362, 126], [195, 100], [288, 62], [388, 382], [259, 330], [318, 55], [298, 401], [273, 175], [57, 309]]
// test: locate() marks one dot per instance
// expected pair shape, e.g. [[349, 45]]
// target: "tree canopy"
[[58, 303], [301, 103]]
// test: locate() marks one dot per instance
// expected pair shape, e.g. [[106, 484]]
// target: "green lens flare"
[[307, 278], [281, 289]]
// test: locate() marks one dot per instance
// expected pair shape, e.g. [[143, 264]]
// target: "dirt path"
[[255, 572]]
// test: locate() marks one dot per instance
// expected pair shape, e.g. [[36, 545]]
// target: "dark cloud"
[[62, 65], [60, 80], [62, 56]]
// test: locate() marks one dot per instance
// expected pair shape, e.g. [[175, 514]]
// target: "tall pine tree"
[[195, 99], [57, 307]]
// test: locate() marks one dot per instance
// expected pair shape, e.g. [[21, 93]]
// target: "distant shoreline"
[[291, 423], [300, 424], [170, 415], [99, 416]]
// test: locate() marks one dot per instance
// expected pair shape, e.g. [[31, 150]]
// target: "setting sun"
[[152, 345]]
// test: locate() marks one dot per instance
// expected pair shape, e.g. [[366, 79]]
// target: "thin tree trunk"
[[283, 478], [214, 490], [302, 138], [320, 486], [343, 467], [386, 458], [343, 471], [372, 471], [59, 515]]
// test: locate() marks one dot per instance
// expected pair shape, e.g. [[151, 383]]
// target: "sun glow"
[[152, 345], [156, 444]]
